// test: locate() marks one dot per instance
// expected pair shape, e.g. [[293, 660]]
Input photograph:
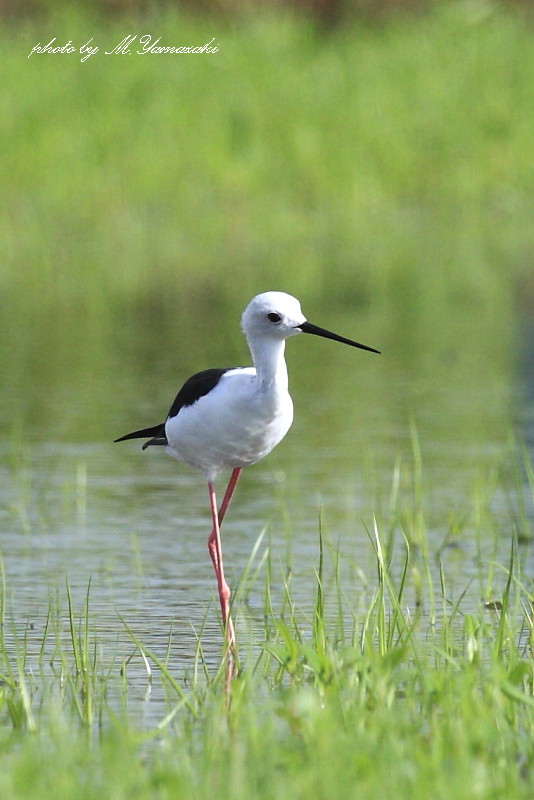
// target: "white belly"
[[234, 425]]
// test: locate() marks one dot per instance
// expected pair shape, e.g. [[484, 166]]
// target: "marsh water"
[[434, 429]]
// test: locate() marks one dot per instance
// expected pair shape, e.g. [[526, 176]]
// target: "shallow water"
[[133, 525]]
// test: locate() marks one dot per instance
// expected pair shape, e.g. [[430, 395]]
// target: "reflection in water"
[[133, 525]]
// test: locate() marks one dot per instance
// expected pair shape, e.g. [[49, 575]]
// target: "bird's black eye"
[[273, 317]]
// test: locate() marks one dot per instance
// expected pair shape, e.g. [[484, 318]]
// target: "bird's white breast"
[[236, 424]]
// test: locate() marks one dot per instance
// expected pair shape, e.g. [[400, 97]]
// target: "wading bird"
[[227, 419]]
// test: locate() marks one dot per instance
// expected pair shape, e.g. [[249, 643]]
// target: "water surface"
[[133, 525]]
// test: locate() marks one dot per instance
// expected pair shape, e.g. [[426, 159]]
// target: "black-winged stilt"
[[231, 418]]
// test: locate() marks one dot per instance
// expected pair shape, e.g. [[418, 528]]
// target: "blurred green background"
[[377, 162]]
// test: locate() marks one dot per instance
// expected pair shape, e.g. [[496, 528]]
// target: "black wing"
[[196, 387], [157, 433]]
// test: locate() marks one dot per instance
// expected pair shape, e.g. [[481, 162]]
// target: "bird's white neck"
[[268, 357]]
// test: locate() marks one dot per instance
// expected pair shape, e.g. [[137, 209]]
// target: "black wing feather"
[[194, 388], [157, 432]]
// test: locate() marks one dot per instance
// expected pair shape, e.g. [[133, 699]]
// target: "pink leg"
[[215, 551], [229, 492]]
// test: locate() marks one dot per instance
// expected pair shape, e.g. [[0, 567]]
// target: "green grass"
[[419, 691], [371, 165]]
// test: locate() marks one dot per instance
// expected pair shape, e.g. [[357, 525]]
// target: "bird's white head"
[[272, 317], [275, 315]]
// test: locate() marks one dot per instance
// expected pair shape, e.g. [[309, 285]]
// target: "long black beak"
[[307, 327]]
